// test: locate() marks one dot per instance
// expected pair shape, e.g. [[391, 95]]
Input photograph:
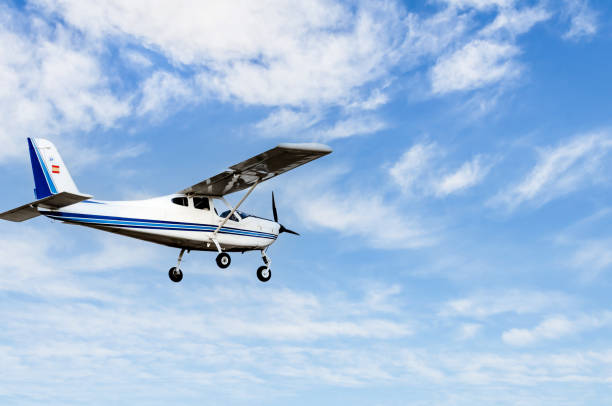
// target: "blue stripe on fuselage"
[[150, 224]]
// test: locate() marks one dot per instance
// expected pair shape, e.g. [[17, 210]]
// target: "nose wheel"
[[264, 273], [175, 274]]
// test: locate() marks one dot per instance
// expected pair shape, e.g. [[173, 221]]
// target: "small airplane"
[[187, 220]]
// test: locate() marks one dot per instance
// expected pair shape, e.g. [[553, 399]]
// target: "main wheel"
[[223, 260], [176, 275], [264, 273]]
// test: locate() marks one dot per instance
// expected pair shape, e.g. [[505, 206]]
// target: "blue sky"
[[455, 247]]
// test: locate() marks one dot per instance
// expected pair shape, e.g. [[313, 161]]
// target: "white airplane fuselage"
[[191, 219], [161, 221]]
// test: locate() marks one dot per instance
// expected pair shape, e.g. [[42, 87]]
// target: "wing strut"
[[214, 236]]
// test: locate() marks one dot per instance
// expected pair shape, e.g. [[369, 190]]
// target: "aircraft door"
[[201, 208]]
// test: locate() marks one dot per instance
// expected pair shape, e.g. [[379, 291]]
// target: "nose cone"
[[276, 228]]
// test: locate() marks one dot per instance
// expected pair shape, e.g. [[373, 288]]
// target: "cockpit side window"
[[201, 203], [181, 201]]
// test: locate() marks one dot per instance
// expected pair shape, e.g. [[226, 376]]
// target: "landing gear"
[[264, 273], [175, 274], [223, 260]]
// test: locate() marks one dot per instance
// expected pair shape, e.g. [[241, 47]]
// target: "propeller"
[[275, 213]]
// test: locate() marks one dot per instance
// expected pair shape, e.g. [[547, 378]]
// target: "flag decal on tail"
[[55, 168]]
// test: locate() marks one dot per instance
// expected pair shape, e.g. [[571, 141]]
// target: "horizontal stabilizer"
[[28, 211]]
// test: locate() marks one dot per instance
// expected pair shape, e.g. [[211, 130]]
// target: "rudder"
[[51, 176]]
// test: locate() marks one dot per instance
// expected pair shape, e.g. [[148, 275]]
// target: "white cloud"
[[468, 330], [376, 99], [287, 122], [292, 123], [219, 329], [315, 56], [554, 328], [487, 57], [408, 170], [359, 212], [477, 64], [591, 257], [559, 171], [583, 19], [483, 305], [319, 50], [526, 370], [382, 298], [479, 4], [516, 21], [52, 84], [469, 174], [551, 328], [382, 225], [419, 171], [351, 126], [162, 90]]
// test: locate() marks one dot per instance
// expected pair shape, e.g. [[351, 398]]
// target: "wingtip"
[[307, 146]]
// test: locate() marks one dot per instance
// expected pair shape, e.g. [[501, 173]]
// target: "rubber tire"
[[260, 275], [223, 257], [175, 277]]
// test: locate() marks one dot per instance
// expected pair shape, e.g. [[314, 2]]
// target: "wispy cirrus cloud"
[[583, 19], [337, 60], [383, 225], [482, 305], [590, 256], [477, 64], [560, 170], [554, 328], [218, 335], [320, 203], [420, 171], [468, 175], [333, 57], [489, 56]]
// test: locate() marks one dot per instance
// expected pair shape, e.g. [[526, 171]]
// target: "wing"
[[263, 167]]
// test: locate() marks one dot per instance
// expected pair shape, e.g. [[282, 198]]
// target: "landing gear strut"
[[175, 273], [263, 272]]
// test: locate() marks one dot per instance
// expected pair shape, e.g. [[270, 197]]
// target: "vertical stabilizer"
[[51, 176]]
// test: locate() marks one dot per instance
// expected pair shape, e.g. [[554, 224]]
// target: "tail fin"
[[51, 176]]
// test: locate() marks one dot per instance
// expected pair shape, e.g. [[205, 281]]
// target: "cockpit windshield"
[[242, 215]]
